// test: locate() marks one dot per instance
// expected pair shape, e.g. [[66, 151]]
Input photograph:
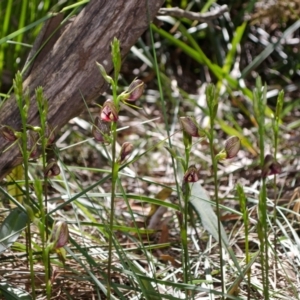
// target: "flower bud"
[[190, 126], [33, 128], [60, 234], [109, 112], [232, 146], [191, 175], [8, 133], [52, 168], [125, 151], [101, 130], [104, 74], [271, 166], [135, 90]]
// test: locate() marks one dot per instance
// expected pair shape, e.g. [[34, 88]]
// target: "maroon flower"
[[190, 126], [8, 133], [125, 151], [232, 146], [60, 234], [109, 112], [271, 166], [101, 131], [135, 90], [191, 175], [52, 168]]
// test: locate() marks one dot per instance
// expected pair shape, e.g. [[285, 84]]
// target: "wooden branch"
[[201, 17], [68, 71]]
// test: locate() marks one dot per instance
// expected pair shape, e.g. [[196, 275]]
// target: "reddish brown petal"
[[52, 168], [191, 175], [125, 151], [109, 112], [135, 90], [271, 166], [60, 234], [8, 133], [232, 146], [101, 131], [190, 126]]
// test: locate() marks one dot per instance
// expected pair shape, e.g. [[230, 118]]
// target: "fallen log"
[[66, 67]]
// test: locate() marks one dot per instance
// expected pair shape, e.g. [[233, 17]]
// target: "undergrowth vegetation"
[[180, 182]]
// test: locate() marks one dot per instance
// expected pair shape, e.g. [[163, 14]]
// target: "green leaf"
[[198, 55], [152, 201], [201, 203], [234, 288], [11, 228], [24, 29], [230, 57], [12, 293]]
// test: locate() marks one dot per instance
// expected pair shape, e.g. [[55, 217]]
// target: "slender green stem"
[[187, 151], [276, 123], [115, 170], [186, 197], [43, 110], [30, 253], [23, 105], [184, 236], [262, 226], [263, 237], [212, 103], [162, 100], [27, 202], [215, 176], [244, 210]]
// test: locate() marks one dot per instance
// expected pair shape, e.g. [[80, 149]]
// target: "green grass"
[[22, 21]]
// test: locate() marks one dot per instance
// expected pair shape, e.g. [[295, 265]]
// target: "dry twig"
[[201, 17]]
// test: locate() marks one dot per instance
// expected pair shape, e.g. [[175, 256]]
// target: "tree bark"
[[68, 71]]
